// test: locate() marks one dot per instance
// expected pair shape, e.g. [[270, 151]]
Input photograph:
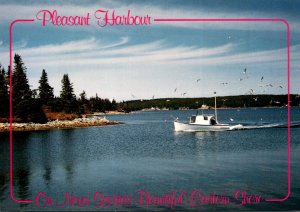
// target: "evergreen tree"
[[84, 104], [21, 92], [114, 105], [45, 90], [67, 96], [25, 108], [83, 97], [4, 96]]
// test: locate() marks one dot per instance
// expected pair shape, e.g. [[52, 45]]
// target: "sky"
[[162, 59]]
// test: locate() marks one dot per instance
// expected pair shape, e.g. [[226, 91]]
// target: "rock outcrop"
[[57, 124]]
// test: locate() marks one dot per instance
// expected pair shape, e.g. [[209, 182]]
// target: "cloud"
[[77, 47], [91, 52]]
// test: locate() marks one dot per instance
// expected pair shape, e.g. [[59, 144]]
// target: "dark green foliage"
[[225, 101], [25, 107], [37, 115], [101, 105], [4, 95], [28, 104], [84, 104], [45, 90], [68, 100], [21, 93]]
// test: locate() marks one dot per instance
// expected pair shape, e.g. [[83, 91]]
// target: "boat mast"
[[216, 107]]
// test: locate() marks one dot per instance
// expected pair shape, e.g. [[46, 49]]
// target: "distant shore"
[[58, 124]]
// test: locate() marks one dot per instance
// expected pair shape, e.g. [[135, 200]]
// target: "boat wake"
[[246, 126]]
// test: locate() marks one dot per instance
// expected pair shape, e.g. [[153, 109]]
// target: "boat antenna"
[[216, 107]]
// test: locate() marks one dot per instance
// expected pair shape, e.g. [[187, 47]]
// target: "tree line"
[[260, 100], [32, 105]]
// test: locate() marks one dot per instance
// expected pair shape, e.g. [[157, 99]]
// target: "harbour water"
[[144, 165]]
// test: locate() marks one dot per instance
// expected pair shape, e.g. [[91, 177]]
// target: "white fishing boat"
[[203, 122]]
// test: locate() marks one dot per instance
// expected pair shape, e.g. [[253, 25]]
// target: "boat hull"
[[186, 127]]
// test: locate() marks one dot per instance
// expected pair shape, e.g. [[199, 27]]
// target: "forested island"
[[240, 101], [39, 109], [41, 105]]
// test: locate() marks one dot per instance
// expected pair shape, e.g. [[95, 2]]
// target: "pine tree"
[[84, 104], [4, 96], [67, 96], [45, 90], [25, 108], [114, 105], [21, 92]]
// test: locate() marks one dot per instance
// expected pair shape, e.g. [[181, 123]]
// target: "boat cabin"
[[203, 120]]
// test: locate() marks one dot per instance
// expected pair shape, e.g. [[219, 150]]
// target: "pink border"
[[10, 115], [167, 20]]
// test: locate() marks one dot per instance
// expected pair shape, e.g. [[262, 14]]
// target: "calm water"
[[146, 155]]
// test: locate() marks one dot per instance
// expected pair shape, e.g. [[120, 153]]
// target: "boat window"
[[205, 118], [193, 119], [213, 121]]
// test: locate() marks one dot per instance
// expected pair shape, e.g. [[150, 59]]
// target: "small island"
[[58, 124], [39, 109]]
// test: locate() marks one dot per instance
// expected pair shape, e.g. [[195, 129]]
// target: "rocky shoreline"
[[58, 124]]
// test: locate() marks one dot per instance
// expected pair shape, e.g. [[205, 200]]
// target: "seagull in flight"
[[198, 80]]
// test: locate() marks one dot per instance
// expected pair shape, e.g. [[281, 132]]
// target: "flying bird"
[[198, 80], [280, 86], [175, 89], [231, 119], [251, 91], [261, 79]]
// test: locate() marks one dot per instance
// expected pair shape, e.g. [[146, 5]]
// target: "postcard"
[[149, 105]]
